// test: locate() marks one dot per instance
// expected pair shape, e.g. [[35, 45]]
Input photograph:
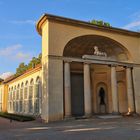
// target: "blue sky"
[[19, 40]]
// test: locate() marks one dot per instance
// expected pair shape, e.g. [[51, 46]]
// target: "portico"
[[89, 108]]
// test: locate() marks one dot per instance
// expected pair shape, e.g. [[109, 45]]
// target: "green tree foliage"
[[100, 22], [23, 68], [35, 61]]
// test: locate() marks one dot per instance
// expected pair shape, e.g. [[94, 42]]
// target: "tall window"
[[9, 99], [31, 96], [26, 98], [17, 97], [37, 97], [14, 100], [21, 98]]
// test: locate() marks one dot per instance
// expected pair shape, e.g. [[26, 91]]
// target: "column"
[[129, 90], [87, 90], [67, 90], [115, 108]]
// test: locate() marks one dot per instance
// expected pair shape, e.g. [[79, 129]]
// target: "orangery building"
[[86, 70]]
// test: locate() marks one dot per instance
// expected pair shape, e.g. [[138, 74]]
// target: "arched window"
[[17, 98], [17, 94], [9, 99], [21, 98], [14, 93], [9, 91], [31, 89], [11, 95], [31, 96], [37, 97], [21, 91], [37, 87], [26, 90], [26, 97], [14, 99]]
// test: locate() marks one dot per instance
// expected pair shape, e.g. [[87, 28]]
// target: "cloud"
[[6, 75], [133, 24], [12, 55], [21, 22], [10, 50], [22, 56], [135, 16], [15, 52], [135, 21]]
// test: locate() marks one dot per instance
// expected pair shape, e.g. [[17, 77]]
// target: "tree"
[[40, 57], [100, 22], [35, 61], [22, 67]]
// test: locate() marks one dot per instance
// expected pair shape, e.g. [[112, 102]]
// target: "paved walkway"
[[87, 129]]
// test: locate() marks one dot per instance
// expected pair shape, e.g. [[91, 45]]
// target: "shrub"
[[17, 117]]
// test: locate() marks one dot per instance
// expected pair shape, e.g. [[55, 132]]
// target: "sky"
[[19, 40]]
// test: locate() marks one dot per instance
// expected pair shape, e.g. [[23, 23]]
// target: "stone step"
[[109, 116]]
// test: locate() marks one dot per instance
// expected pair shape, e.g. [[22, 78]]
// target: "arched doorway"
[[101, 98]]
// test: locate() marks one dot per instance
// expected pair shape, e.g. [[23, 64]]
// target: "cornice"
[[81, 24]]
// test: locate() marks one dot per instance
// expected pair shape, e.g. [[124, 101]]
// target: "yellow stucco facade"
[[86, 70], [16, 93]]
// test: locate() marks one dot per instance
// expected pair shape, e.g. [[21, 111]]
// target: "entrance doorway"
[[77, 94], [102, 103], [102, 98]]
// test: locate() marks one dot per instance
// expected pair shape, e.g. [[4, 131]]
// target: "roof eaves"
[[82, 23]]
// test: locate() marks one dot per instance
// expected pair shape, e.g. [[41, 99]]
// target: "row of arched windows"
[[25, 98]]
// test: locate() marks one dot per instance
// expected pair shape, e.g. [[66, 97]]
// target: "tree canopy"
[[23, 67], [100, 22]]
